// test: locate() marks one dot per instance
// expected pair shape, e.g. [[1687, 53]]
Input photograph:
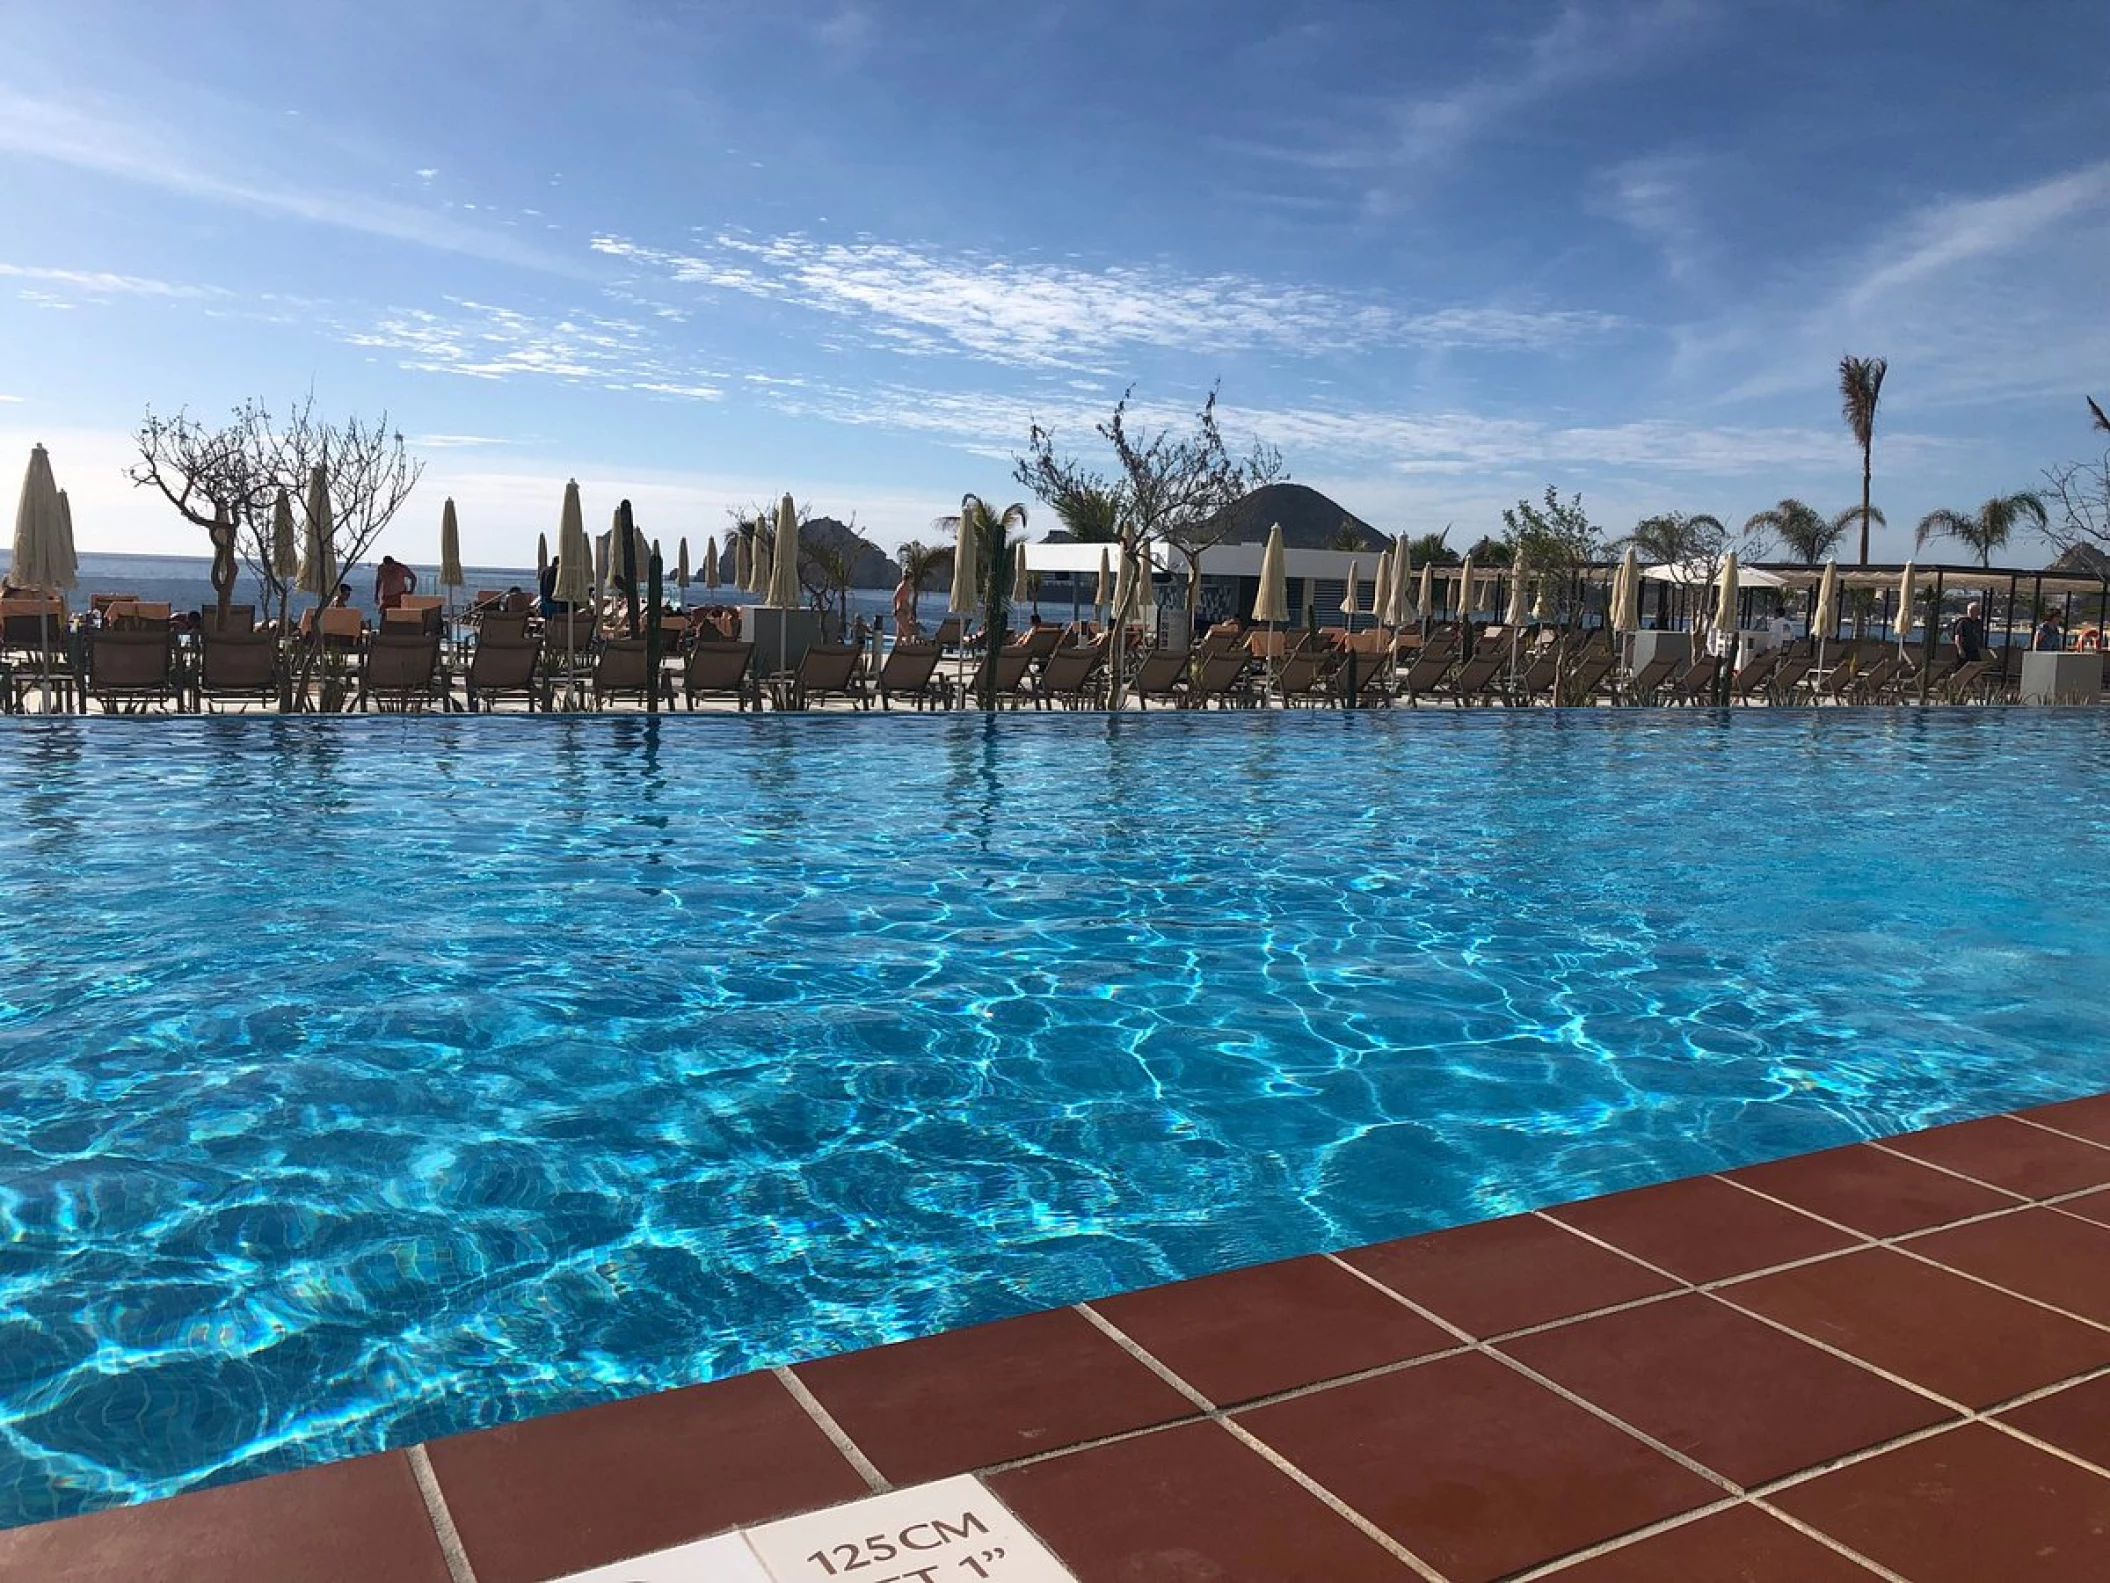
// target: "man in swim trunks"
[[392, 580]]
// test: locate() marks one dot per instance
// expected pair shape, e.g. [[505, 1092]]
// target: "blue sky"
[[700, 253]]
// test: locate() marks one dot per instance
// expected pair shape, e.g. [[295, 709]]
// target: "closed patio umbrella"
[[761, 563], [574, 581], [743, 561], [1103, 590], [681, 566], [602, 547], [1465, 588], [285, 549], [1021, 586], [450, 547], [784, 568], [1626, 597], [966, 586], [1351, 600], [1725, 610], [1519, 610], [1908, 585], [710, 563], [318, 567], [1424, 604], [1381, 589], [43, 556], [541, 558]]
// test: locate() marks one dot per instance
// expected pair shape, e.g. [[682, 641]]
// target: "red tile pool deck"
[[1889, 1360]]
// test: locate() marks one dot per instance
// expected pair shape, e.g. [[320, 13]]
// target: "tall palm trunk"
[[1867, 471]]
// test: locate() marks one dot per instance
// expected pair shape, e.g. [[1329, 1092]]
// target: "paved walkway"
[[1889, 1360]]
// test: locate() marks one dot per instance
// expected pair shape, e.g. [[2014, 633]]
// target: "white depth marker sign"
[[953, 1531]]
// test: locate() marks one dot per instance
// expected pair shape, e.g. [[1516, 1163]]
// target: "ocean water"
[[372, 1079]]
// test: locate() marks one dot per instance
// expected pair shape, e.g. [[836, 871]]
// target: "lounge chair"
[[910, 671], [240, 619], [623, 669], [1301, 679], [33, 634], [502, 626], [1479, 677], [1012, 664], [1074, 678], [720, 668], [1696, 684], [1869, 681], [1966, 682], [1586, 674], [1427, 672], [1220, 679], [1162, 674], [825, 670], [1791, 673], [401, 671], [1372, 691], [1645, 684], [503, 668], [1754, 676], [949, 632], [129, 670], [238, 665]]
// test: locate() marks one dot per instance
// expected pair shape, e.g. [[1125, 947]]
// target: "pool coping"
[[1890, 1359]]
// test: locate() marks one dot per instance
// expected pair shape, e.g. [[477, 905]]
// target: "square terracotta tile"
[[1189, 1502], [1272, 1327], [1739, 1545], [1970, 1506], [1508, 1274], [963, 1400], [2091, 1206], [1731, 1393], [2076, 1419], [1953, 1336], [1475, 1468], [344, 1522], [2010, 1154], [1702, 1229], [2087, 1118], [569, 1491], [1873, 1192], [2040, 1253]]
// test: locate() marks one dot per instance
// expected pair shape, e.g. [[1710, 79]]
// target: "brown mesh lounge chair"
[[401, 671], [1696, 683], [1479, 677], [34, 638], [719, 668], [1427, 672], [1966, 682], [623, 669], [1074, 678], [503, 668], [502, 626], [1644, 685], [1011, 667], [910, 671], [241, 619], [1162, 674], [1586, 675], [1792, 672], [1301, 679], [129, 670], [1754, 677], [826, 670], [238, 665], [1219, 679], [1372, 689]]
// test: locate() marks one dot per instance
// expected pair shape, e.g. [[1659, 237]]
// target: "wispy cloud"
[[478, 340], [1653, 196], [458, 442], [101, 283], [1037, 314], [109, 142], [1963, 230]]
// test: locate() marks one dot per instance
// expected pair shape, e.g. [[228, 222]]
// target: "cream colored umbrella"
[[1541, 594], [761, 563], [1425, 603], [681, 566], [1021, 586], [1402, 611], [318, 566], [743, 561], [966, 585], [574, 587], [1725, 609], [1465, 588], [1519, 610], [285, 548], [1626, 594], [1907, 587], [710, 563], [1381, 589], [1271, 603], [1351, 600], [1103, 590], [450, 547], [602, 548], [541, 557], [43, 556], [1826, 621], [784, 567]]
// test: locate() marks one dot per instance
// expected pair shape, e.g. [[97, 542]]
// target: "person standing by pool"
[[1969, 636], [392, 580], [551, 604], [905, 608], [2051, 637]]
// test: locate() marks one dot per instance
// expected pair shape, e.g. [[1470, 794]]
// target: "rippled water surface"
[[363, 1081]]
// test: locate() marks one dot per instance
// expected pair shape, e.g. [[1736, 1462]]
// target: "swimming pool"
[[367, 1080]]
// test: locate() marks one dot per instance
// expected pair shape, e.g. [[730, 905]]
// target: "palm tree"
[[2102, 418], [992, 547], [1432, 549], [921, 562], [1990, 529], [1674, 537], [1092, 515], [1860, 386], [1348, 537], [1799, 526]]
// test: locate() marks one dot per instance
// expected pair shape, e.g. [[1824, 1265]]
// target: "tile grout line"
[[1811, 1531], [442, 1519], [1267, 1453], [837, 1435], [2059, 1132]]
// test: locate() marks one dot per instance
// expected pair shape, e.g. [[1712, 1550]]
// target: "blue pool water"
[[367, 1080]]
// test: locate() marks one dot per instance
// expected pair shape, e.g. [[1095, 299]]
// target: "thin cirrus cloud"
[[92, 283], [1049, 315], [478, 340]]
